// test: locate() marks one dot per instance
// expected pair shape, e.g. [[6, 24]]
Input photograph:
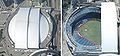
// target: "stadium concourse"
[[73, 25]]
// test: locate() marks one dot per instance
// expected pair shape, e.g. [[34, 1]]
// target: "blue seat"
[[79, 40], [85, 42], [88, 43]]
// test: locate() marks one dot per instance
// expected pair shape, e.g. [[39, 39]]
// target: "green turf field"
[[92, 31]]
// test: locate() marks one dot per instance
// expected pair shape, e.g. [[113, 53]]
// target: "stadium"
[[29, 28], [83, 28]]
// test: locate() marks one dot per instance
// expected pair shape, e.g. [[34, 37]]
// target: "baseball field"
[[92, 31]]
